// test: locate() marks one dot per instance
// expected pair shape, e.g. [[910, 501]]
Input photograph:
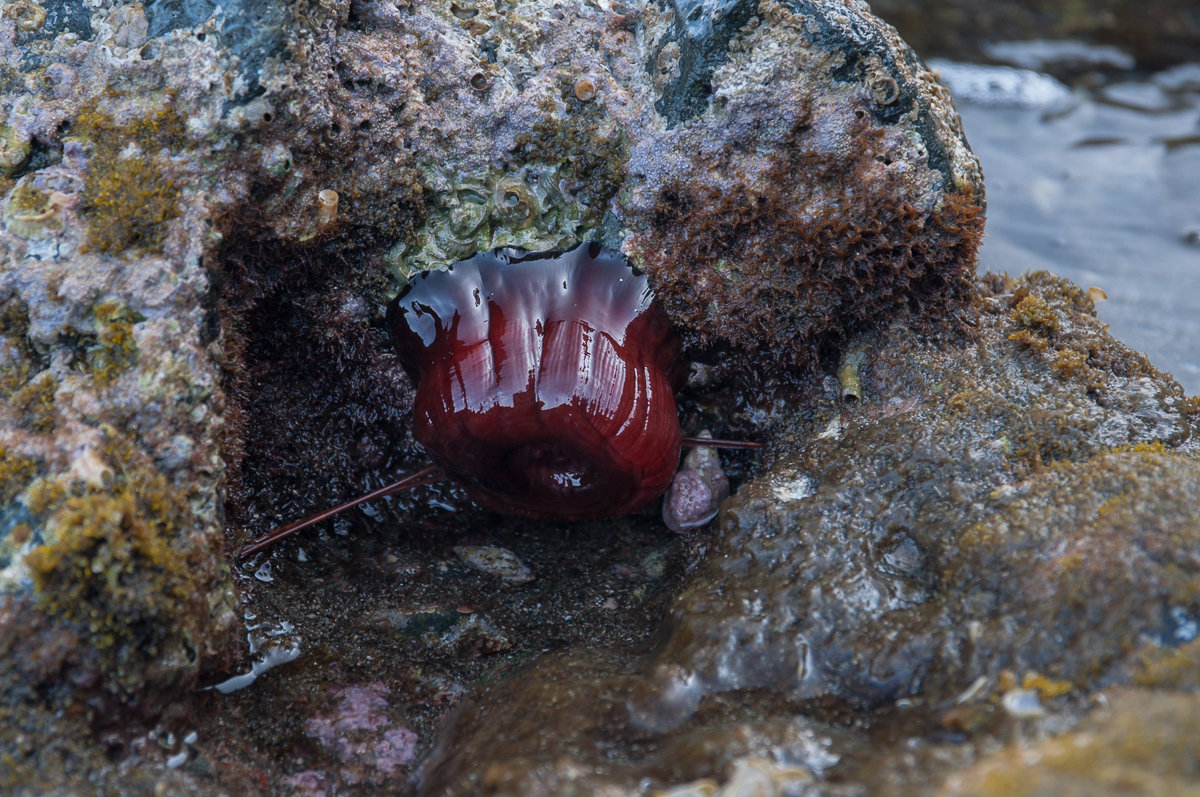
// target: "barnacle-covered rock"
[[114, 590], [36, 206], [811, 175], [785, 171]]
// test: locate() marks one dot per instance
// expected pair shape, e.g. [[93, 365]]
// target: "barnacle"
[[35, 212], [14, 149], [327, 208], [467, 212], [884, 88], [28, 15], [848, 378], [514, 204], [585, 89], [277, 160]]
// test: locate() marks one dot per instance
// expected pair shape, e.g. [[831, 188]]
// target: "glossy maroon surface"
[[545, 381]]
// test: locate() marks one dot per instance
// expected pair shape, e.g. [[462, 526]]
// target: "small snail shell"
[[545, 381]]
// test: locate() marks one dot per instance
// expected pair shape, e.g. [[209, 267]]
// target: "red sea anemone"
[[545, 381]]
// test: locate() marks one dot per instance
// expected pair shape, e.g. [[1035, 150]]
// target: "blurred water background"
[[1090, 148], [1101, 184]]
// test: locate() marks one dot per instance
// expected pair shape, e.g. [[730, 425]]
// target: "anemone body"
[[545, 381]]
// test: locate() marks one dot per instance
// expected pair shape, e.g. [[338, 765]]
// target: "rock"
[[1059, 57], [806, 151], [1003, 86], [192, 349], [1144, 97], [110, 431], [1140, 740], [774, 136], [500, 563], [360, 733]]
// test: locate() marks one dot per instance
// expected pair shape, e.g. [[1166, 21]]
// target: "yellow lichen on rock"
[[16, 472], [128, 200], [130, 192], [34, 403], [1143, 743], [113, 349], [116, 560]]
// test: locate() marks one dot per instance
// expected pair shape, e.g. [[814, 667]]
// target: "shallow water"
[[1100, 184]]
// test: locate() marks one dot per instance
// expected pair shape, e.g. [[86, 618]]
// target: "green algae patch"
[[118, 563]]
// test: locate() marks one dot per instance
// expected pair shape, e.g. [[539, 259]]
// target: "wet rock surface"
[[827, 168], [205, 211], [114, 585]]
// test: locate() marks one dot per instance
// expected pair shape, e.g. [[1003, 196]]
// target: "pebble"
[[497, 562]]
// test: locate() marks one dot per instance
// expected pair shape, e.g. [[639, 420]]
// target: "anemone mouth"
[[555, 478], [552, 469]]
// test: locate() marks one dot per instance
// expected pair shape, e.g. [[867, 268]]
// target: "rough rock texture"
[[205, 208], [812, 176], [1142, 742], [449, 128], [111, 543], [799, 148]]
